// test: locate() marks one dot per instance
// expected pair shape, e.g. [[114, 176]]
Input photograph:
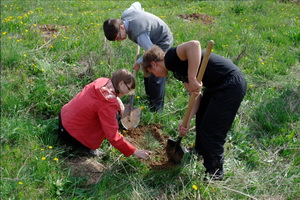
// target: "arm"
[[144, 41], [191, 51], [109, 124], [184, 130]]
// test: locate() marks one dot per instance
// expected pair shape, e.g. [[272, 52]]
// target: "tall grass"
[[51, 49]]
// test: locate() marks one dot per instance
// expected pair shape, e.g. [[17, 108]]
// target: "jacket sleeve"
[[109, 123]]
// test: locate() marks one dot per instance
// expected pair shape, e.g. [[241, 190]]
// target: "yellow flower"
[[142, 107], [42, 149], [50, 147], [195, 187], [250, 86], [43, 71], [4, 33], [55, 159], [43, 158], [24, 55], [20, 183], [26, 30], [122, 158], [137, 97]]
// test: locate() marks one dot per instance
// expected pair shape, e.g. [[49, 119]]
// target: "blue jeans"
[[155, 90]]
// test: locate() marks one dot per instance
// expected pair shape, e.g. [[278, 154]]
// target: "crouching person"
[[90, 117]]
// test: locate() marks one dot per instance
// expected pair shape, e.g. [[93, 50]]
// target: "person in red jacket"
[[90, 117]]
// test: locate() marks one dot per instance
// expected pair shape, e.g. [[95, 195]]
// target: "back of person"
[[141, 22]]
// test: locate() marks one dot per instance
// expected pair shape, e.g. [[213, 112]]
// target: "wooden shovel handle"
[[199, 79], [132, 93]]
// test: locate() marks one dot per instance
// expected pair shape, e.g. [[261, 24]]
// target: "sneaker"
[[96, 152], [217, 175]]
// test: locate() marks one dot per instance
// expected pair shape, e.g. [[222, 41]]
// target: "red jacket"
[[90, 117]]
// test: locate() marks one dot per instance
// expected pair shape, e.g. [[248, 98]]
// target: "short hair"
[[111, 28], [155, 53], [122, 75]]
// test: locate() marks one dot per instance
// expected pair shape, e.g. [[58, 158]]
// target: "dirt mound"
[[49, 31], [204, 19], [150, 137], [85, 167]]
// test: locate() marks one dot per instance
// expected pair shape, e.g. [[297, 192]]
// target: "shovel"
[[175, 151], [132, 115]]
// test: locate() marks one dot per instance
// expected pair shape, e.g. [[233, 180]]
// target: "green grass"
[[39, 74]]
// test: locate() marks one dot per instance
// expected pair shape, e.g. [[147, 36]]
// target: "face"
[[124, 88], [121, 34], [158, 70]]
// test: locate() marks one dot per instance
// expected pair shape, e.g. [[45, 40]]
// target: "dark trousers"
[[155, 90], [67, 138], [214, 118]]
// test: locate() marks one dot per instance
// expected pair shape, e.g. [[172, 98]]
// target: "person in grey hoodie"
[[146, 30]]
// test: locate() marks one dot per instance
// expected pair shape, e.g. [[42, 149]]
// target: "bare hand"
[[183, 130], [136, 66], [195, 86], [144, 154]]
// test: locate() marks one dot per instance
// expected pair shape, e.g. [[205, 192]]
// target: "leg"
[[214, 119], [63, 133], [155, 90]]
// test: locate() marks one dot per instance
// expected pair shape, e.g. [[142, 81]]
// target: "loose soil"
[[204, 19], [141, 137]]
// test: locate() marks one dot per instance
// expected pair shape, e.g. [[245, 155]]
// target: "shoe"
[[96, 152], [215, 175]]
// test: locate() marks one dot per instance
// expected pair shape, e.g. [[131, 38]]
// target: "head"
[[123, 81], [153, 62], [114, 29]]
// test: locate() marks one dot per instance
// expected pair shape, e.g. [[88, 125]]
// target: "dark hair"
[[122, 75], [155, 53], [111, 28]]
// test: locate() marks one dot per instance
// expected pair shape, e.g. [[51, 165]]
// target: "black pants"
[[67, 138], [155, 90], [214, 118]]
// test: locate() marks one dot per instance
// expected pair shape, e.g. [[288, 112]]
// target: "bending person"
[[146, 30], [225, 87]]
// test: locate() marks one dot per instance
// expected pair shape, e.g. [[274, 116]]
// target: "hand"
[[183, 130], [144, 154], [195, 86], [136, 66]]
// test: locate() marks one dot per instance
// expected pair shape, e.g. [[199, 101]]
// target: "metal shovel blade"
[[131, 117], [175, 152]]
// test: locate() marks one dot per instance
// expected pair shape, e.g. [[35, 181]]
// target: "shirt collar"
[[108, 90]]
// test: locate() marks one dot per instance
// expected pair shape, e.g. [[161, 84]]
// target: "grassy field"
[[51, 49]]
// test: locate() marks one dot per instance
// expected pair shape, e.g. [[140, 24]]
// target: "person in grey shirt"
[[146, 30]]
